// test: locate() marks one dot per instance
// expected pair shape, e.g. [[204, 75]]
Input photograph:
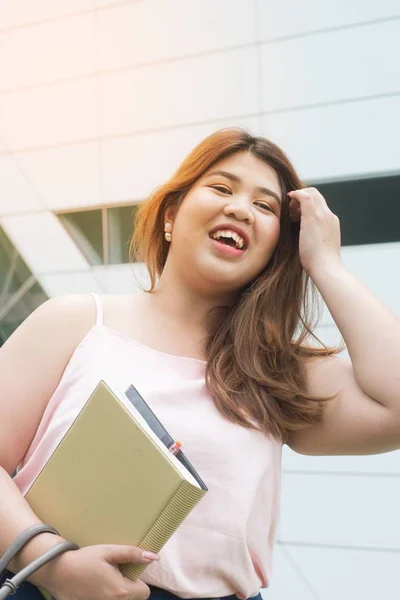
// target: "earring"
[[168, 235]]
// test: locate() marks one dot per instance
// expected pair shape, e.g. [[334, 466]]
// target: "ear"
[[169, 214]]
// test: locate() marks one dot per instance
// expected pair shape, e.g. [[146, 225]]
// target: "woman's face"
[[245, 198]]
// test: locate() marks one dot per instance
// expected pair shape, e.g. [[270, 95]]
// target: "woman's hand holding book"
[[92, 573]]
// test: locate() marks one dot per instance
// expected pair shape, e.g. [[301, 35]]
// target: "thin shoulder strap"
[[99, 309]]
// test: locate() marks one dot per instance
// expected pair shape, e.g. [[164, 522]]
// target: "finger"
[[123, 554], [311, 204], [299, 194], [314, 193], [301, 202], [137, 589]]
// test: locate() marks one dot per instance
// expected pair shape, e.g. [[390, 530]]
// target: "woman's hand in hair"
[[319, 243]]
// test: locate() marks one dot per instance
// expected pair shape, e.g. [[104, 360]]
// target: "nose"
[[240, 212]]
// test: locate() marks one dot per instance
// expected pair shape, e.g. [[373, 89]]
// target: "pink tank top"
[[225, 546]]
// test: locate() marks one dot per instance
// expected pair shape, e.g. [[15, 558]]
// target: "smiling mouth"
[[226, 241], [229, 238], [227, 249]]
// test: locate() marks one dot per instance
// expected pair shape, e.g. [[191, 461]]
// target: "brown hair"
[[256, 352]]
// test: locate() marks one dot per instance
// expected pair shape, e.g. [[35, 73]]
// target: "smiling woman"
[[257, 348], [218, 346], [222, 347]]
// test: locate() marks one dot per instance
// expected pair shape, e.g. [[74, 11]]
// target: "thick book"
[[113, 480]]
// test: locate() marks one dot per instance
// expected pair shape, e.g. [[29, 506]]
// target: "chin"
[[229, 282], [230, 277]]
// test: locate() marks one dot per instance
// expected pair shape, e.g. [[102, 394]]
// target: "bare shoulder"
[[32, 362], [69, 316]]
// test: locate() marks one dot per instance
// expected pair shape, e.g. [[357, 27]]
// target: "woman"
[[218, 347]]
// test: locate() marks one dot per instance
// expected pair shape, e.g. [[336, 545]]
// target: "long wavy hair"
[[257, 348]]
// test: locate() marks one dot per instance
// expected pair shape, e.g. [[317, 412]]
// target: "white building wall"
[[100, 101]]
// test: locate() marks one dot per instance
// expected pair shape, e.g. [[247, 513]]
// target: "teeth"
[[228, 234]]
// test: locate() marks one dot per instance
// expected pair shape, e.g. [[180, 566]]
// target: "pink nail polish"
[[150, 555]]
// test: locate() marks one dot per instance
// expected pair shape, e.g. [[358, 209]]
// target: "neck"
[[189, 307]]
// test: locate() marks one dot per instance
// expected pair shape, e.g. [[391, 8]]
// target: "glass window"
[[120, 230], [102, 235], [18, 312], [20, 293], [368, 209], [85, 228]]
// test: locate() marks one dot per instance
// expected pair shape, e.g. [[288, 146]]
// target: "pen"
[[175, 447]]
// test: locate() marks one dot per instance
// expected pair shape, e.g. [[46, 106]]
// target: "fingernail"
[[150, 555]]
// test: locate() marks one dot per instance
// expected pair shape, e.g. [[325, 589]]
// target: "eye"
[[264, 205], [220, 187]]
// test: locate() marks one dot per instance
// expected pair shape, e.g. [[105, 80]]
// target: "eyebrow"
[[237, 179]]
